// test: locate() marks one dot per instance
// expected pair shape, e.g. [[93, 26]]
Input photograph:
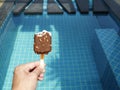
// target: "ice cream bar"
[[42, 42]]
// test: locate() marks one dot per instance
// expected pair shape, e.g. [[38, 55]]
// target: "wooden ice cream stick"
[[41, 56], [42, 63]]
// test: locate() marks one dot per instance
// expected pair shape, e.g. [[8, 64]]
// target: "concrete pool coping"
[[5, 9]]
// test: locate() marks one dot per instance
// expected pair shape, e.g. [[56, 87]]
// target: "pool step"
[[20, 5], [83, 5], [67, 6], [53, 8], [106, 49], [35, 8], [99, 7], [114, 6]]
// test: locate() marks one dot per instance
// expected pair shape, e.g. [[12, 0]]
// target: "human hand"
[[27, 75]]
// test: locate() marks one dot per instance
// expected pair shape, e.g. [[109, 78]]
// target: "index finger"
[[31, 65]]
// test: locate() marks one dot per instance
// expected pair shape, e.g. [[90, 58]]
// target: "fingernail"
[[41, 75]]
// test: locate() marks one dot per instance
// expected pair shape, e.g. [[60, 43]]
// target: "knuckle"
[[37, 69], [17, 69]]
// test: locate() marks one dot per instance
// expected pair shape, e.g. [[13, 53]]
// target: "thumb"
[[37, 71]]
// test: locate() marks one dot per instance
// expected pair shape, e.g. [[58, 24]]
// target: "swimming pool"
[[70, 65]]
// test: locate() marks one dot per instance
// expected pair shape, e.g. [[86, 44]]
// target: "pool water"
[[70, 64]]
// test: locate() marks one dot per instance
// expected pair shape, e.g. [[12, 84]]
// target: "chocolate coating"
[[42, 42]]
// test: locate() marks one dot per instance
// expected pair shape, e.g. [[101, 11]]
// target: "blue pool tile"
[[109, 40]]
